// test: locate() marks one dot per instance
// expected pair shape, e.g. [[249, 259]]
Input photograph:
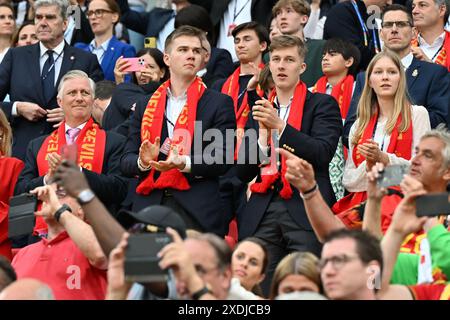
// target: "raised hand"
[[119, 69], [174, 160], [299, 172], [148, 151]]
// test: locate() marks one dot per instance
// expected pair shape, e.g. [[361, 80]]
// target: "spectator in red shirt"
[[70, 259]]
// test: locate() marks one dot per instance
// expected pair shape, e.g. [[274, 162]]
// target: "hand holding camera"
[[69, 177], [50, 202]]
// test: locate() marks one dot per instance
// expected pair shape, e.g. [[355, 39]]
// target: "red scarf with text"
[[269, 176], [400, 144], [152, 123], [342, 92], [90, 143], [231, 88], [443, 57]]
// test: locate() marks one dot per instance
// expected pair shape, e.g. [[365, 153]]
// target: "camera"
[[431, 205], [392, 175], [21, 218], [141, 260]]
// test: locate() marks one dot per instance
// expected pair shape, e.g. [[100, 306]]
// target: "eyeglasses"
[[399, 24], [98, 13], [337, 262]]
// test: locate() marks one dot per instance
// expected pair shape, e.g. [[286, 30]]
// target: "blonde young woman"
[[387, 129], [10, 169]]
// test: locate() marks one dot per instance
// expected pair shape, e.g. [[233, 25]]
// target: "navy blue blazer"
[[115, 49], [316, 142], [428, 86], [109, 186], [202, 200], [20, 77]]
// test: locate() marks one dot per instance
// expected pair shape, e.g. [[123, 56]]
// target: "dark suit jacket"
[[342, 22], [146, 23], [220, 66], [316, 143], [123, 101], [20, 77], [109, 186], [202, 200], [261, 11], [428, 86], [115, 49], [84, 34]]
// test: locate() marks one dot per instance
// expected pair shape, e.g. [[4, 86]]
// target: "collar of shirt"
[[57, 50], [407, 60], [103, 46], [60, 237], [439, 41], [178, 99], [67, 127]]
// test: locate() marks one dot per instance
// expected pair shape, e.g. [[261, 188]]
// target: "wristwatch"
[[60, 211], [85, 196], [200, 293]]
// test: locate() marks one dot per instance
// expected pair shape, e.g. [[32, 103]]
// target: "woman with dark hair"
[[7, 27], [248, 265], [25, 35], [127, 95], [219, 65], [103, 15], [10, 169]]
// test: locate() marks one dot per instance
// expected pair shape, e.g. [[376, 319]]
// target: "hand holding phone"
[[134, 64], [392, 175], [434, 204]]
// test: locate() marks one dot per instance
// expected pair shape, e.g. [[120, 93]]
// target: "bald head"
[[27, 289]]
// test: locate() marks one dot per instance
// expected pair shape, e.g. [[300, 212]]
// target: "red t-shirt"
[[431, 291], [60, 264]]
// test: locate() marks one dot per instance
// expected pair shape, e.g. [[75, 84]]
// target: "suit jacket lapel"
[[109, 54], [35, 69], [67, 63], [412, 72]]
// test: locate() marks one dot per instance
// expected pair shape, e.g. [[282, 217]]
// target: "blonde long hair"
[[368, 102], [6, 136]]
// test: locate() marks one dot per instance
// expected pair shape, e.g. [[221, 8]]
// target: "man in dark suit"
[[31, 74], [349, 20], [428, 83], [175, 165], [97, 152], [306, 124]]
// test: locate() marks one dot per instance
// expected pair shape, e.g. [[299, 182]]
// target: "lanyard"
[[364, 28], [375, 130], [287, 110], [52, 65], [437, 52], [235, 15]]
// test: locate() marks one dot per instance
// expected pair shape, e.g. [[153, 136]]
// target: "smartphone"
[[392, 175], [434, 204], [141, 260], [135, 64], [150, 42], [21, 218]]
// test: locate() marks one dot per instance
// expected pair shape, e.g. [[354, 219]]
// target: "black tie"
[[48, 76]]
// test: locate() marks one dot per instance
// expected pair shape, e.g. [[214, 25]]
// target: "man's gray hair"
[[443, 134], [63, 5], [72, 74]]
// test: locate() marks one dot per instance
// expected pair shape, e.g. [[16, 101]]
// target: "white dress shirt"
[[354, 179], [431, 50], [58, 55], [407, 60]]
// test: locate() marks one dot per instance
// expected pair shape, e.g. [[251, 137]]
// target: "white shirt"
[[58, 55], [164, 33], [100, 50], [174, 107], [407, 60], [81, 126], [431, 50], [226, 41], [354, 179], [314, 27], [3, 53]]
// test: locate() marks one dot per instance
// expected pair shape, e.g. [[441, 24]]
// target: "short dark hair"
[[221, 248], [188, 31], [288, 41], [159, 59], [367, 246], [398, 7], [346, 49], [196, 16], [260, 31], [7, 273], [104, 89]]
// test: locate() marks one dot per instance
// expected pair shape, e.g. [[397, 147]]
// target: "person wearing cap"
[[70, 260]]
